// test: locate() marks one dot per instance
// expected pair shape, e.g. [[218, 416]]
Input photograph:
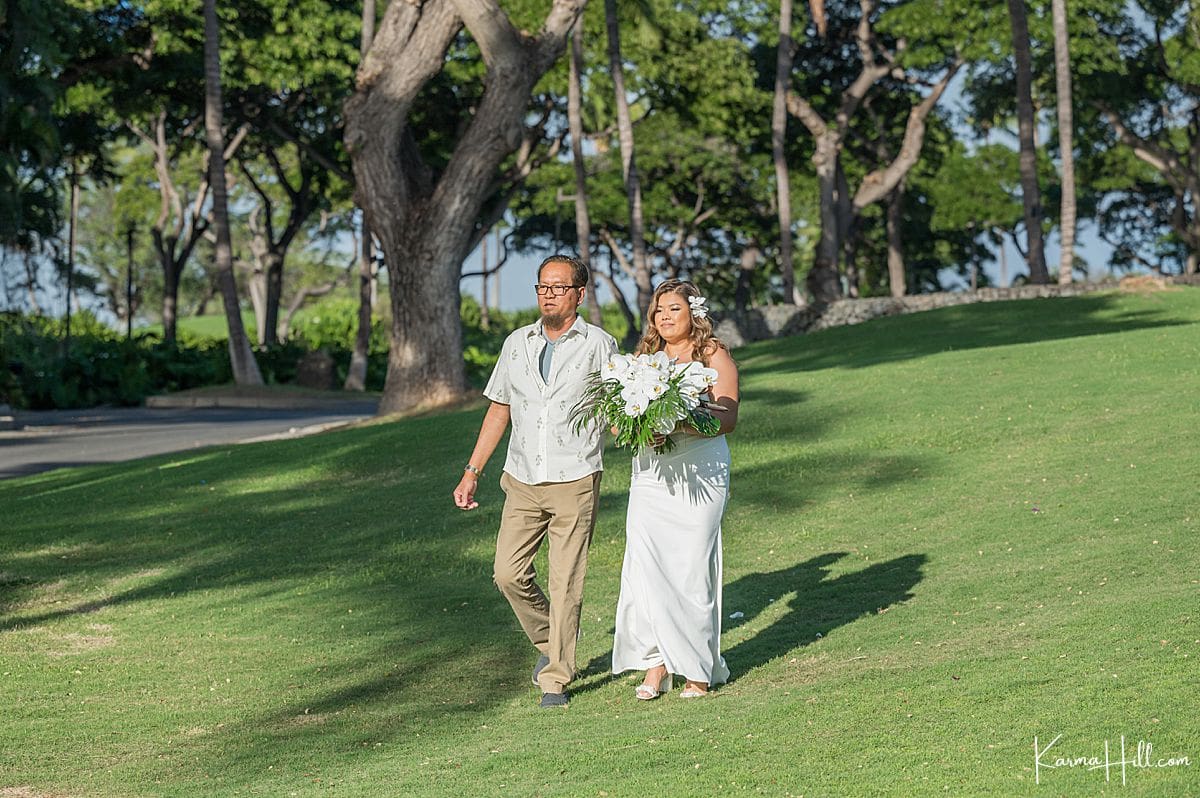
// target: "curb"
[[298, 432], [251, 402]]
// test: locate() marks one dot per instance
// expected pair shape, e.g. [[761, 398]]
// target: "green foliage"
[[333, 324], [1146, 208], [481, 347], [29, 142], [98, 366]]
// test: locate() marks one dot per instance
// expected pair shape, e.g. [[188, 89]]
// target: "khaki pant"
[[566, 513]]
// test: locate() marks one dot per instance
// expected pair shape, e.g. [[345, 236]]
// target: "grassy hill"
[[213, 325], [948, 533]]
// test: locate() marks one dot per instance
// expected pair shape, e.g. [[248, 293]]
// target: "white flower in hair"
[[698, 309]]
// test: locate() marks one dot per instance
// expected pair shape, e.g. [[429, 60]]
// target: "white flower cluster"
[[696, 304], [644, 378]]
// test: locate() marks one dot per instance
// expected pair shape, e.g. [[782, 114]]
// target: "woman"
[[669, 610]]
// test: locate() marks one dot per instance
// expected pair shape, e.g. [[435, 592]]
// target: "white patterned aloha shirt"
[[543, 447]]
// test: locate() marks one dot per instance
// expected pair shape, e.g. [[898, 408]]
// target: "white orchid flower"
[[616, 367], [636, 401], [699, 311]]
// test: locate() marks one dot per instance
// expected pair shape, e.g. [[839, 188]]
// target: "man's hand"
[[464, 494]]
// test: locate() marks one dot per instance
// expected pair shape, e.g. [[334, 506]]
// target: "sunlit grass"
[[948, 533]]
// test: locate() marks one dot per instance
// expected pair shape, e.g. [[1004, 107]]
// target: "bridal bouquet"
[[645, 394]]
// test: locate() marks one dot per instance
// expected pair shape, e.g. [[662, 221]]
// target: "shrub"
[[99, 366]]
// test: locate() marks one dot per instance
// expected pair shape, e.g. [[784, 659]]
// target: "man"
[[551, 476]]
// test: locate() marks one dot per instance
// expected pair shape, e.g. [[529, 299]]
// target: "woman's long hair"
[[704, 343]]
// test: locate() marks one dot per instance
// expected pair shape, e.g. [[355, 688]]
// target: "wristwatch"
[[473, 470]]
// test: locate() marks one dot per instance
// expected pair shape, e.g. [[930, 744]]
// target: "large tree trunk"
[[583, 224], [170, 301], [356, 376], [747, 263], [245, 369], [425, 227], [1066, 140], [895, 243], [256, 287], [273, 278], [74, 222], [783, 74], [824, 281], [633, 186], [1030, 193], [1003, 256]]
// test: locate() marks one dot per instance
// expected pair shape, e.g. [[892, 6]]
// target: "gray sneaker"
[[542, 662], [552, 700]]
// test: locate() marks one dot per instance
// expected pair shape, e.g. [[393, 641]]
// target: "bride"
[[669, 611]]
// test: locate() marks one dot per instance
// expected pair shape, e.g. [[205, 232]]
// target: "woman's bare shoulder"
[[719, 358]]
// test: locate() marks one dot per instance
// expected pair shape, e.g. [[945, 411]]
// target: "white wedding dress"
[[669, 610]]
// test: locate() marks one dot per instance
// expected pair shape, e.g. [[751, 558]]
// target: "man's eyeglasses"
[[553, 290]]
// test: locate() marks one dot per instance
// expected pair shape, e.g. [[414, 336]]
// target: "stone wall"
[[775, 321]]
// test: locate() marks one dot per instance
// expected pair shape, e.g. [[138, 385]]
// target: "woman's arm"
[[725, 392]]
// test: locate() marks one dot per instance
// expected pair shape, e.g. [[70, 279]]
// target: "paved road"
[[58, 438]]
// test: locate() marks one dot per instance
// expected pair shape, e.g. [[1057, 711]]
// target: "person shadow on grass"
[[819, 605]]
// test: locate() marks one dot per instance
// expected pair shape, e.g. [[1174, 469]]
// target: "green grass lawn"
[[213, 325], [948, 533]]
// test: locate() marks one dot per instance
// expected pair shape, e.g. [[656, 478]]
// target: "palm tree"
[[356, 376], [633, 186], [245, 369], [1030, 194], [583, 226], [783, 73], [1062, 79]]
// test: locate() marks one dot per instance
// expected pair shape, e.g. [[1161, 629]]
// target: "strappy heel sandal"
[[649, 692]]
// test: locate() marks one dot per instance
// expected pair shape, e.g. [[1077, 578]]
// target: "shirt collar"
[[578, 326]]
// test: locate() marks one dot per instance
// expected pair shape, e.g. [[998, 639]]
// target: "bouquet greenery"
[[644, 395]]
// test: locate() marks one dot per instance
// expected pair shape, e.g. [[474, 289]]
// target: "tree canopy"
[[900, 145]]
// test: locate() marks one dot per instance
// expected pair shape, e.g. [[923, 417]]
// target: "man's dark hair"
[[579, 272]]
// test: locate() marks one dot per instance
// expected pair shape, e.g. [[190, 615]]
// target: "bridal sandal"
[[649, 692], [690, 691]]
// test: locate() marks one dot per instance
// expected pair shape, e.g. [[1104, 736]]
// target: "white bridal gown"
[[669, 611]]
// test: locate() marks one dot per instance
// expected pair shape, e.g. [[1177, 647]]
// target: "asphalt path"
[[60, 438]]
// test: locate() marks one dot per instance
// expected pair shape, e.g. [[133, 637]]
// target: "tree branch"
[[499, 43], [1163, 160], [881, 182], [801, 109], [266, 200], [618, 255], [318, 157], [280, 173]]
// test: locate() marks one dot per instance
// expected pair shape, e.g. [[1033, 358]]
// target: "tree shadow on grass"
[[988, 324], [820, 605], [365, 524]]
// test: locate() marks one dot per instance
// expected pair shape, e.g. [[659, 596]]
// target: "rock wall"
[[775, 321]]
